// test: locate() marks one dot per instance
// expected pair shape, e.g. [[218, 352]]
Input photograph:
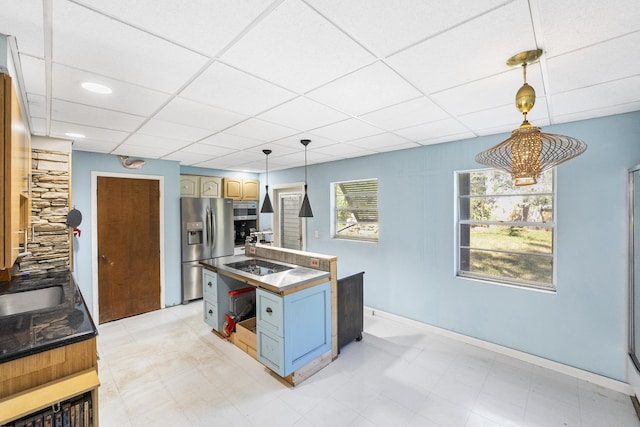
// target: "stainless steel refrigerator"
[[207, 232]]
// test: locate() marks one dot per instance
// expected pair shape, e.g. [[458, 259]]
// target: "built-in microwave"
[[245, 211]]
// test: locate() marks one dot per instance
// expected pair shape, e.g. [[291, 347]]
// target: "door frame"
[[94, 232], [277, 189]]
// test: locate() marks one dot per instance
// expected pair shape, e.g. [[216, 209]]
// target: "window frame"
[[335, 209], [501, 280]]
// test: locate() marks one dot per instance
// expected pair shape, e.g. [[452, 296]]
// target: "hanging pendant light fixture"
[[529, 152], [305, 209], [266, 205]]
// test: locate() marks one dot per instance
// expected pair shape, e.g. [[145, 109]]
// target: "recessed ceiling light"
[[97, 88], [74, 135]]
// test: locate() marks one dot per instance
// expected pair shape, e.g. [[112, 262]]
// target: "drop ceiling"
[[213, 83]]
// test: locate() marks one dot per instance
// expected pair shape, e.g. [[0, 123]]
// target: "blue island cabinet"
[[294, 329]]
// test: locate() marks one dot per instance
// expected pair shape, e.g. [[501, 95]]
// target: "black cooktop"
[[258, 267]]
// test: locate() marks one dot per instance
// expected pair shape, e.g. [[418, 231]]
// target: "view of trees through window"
[[356, 210], [505, 233]]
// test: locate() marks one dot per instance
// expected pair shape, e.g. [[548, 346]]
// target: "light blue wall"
[[83, 164], [410, 271]]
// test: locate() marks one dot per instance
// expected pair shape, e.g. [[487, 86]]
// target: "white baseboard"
[[600, 380]]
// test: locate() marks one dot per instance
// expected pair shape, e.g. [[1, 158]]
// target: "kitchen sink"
[[258, 267], [25, 301]]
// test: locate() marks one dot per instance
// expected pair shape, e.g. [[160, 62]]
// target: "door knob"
[[103, 257], [269, 310]]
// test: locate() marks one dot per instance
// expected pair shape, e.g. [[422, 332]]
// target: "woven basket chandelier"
[[529, 152]]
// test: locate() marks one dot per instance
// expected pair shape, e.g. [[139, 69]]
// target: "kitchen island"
[[47, 346], [295, 305]]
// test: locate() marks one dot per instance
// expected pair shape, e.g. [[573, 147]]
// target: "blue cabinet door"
[[293, 330]]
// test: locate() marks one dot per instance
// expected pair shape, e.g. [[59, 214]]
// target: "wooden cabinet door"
[[189, 186], [233, 188], [250, 189], [210, 186], [15, 164]]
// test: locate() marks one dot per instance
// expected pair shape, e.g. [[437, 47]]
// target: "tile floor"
[[166, 368]]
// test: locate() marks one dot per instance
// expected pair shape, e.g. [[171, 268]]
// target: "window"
[[506, 233], [356, 210]]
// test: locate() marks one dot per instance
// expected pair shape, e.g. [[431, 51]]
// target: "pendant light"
[[529, 152], [266, 205], [305, 210]]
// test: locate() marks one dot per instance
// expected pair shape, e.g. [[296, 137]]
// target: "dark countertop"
[[36, 331], [283, 281]]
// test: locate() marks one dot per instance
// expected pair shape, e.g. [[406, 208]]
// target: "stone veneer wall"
[[50, 244]]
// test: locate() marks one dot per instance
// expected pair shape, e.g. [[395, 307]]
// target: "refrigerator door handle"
[[213, 230], [207, 227]]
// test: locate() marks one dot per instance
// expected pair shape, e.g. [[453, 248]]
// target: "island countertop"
[[296, 278], [36, 331]]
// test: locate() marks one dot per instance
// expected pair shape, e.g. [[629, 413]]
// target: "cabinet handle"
[[210, 285], [269, 310], [210, 311]]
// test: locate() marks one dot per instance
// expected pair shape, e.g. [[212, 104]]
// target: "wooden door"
[[128, 247]]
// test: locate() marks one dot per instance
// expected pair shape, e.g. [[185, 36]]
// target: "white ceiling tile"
[[38, 126], [207, 150], [33, 74], [191, 113], [471, 51], [184, 157], [151, 141], [127, 98], [385, 27], [368, 89], [347, 130], [297, 48], [343, 150], [23, 19], [234, 142], [447, 138], [293, 142], [260, 130], [432, 130], [170, 130], [202, 25], [37, 105], [93, 146], [490, 92], [303, 114], [402, 146], [224, 87], [151, 152], [573, 24], [82, 114], [504, 118], [604, 95], [406, 114], [378, 142], [59, 129], [578, 69], [86, 40], [598, 112]]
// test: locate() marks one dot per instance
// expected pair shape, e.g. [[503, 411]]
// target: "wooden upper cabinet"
[[189, 186], [15, 165], [241, 189], [210, 186], [200, 186]]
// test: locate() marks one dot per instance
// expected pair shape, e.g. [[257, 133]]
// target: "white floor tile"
[[166, 368]]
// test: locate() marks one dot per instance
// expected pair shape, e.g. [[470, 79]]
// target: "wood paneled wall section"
[[32, 371]]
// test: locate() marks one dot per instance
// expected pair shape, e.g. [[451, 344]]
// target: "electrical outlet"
[[315, 262], [317, 234]]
